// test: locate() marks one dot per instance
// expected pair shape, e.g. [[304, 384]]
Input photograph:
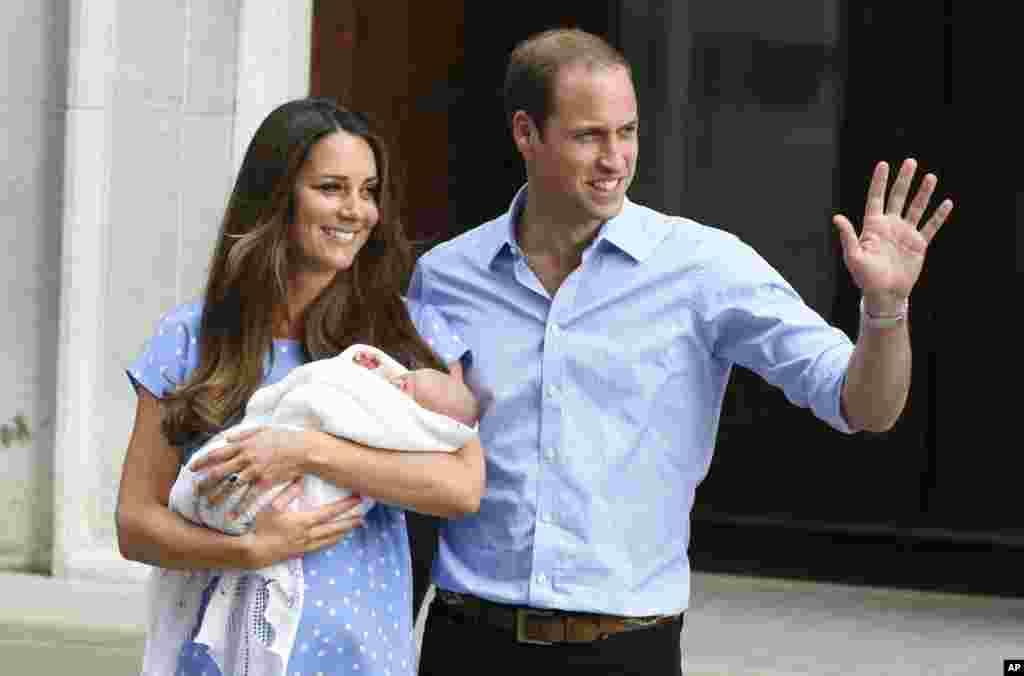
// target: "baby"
[[290, 404]]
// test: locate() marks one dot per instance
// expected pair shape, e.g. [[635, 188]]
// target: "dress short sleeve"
[[437, 332], [170, 355]]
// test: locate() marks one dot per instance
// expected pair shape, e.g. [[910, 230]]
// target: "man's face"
[[582, 165]]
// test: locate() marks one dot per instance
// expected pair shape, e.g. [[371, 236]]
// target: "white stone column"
[[32, 101], [158, 119], [91, 65], [271, 70]]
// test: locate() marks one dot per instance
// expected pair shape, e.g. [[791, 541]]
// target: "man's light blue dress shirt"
[[600, 405]]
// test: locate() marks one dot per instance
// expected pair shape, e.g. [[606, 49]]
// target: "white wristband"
[[884, 321]]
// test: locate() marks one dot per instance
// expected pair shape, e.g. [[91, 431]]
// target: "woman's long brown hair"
[[247, 287]]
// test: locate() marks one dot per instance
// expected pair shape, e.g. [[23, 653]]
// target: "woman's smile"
[[339, 234]]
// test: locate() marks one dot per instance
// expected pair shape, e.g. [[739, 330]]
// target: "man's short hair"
[[535, 63]]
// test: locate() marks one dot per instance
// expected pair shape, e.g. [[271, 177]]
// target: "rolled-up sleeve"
[[757, 320]]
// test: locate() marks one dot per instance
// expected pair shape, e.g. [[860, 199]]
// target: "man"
[[601, 336]]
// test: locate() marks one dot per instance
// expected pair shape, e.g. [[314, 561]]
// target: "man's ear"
[[524, 132]]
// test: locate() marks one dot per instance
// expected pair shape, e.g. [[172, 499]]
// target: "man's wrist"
[[884, 305], [888, 318]]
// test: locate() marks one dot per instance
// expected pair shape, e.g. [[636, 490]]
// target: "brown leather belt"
[[545, 627]]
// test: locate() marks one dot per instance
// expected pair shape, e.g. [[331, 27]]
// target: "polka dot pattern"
[[357, 615]]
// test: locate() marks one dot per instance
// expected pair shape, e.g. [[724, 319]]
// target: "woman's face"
[[336, 207]]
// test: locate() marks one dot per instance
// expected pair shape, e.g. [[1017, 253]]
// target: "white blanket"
[[336, 396]]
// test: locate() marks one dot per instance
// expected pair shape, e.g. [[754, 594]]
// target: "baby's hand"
[[403, 383], [366, 360]]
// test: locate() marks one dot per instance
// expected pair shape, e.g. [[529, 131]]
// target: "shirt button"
[[548, 517], [552, 391], [555, 330], [549, 454], [541, 578]]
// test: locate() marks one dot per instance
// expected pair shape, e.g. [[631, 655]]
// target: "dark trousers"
[[454, 646], [422, 545]]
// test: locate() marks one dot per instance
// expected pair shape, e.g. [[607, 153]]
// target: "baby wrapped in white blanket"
[[362, 395]]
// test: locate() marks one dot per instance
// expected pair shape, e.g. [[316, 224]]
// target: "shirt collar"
[[635, 230], [502, 236]]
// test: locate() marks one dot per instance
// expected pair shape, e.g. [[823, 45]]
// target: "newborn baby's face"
[[425, 387]]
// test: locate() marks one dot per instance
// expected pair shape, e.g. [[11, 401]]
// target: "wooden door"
[[393, 61]]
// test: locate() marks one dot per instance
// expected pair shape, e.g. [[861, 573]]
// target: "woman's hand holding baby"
[[259, 458], [279, 534]]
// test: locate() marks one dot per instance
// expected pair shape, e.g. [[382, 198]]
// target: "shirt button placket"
[[551, 431]]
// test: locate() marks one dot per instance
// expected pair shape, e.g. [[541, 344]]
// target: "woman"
[[310, 259]]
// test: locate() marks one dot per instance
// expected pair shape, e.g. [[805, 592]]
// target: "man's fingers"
[[936, 221], [901, 188], [921, 199], [876, 191], [847, 235]]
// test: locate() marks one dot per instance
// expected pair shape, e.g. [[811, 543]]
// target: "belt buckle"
[[522, 614]]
